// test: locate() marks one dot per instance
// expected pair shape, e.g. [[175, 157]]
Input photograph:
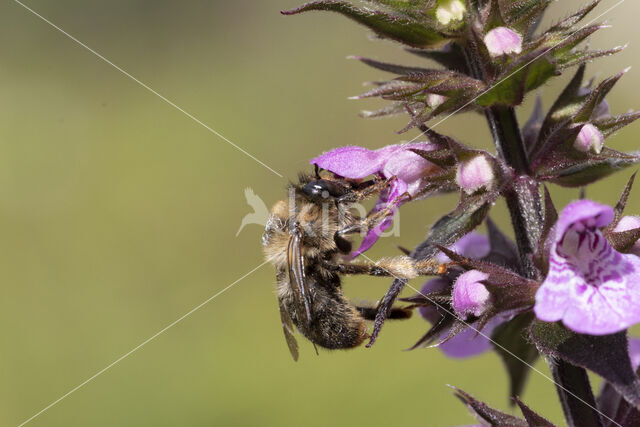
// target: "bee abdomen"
[[335, 324], [339, 326]]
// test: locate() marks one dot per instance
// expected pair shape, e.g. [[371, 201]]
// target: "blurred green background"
[[118, 215]]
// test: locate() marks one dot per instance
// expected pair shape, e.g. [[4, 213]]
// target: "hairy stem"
[[523, 197], [578, 406], [524, 201]]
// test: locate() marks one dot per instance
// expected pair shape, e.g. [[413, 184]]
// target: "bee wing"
[[287, 328], [299, 286]]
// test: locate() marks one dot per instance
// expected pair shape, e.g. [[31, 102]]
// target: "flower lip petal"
[[351, 161], [356, 162], [590, 286], [583, 210]]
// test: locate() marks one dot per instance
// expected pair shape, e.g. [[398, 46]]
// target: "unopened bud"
[[589, 139], [450, 10], [502, 40], [434, 100], [470, 296], [475, 174]]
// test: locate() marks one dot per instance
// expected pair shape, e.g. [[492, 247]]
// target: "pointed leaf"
[[622, 201], [483, 412], [577, 172], [521, 14], [572, 20], [450, 56], [609, 125], [384, 24], [596, 97], [391, 68], [533, 419]]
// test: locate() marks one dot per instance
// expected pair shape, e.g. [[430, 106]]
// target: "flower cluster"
[[569, 286]]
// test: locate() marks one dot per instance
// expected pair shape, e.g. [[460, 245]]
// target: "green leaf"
[[582, 170], [572, 20], [395, 27], [524, 75], [522, 14], [609, 125], [596, 97]]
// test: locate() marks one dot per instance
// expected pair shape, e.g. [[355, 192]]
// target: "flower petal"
[[470, 296], [352, 161], [469, 342], [590, 286], [472, 245], [583, 210]]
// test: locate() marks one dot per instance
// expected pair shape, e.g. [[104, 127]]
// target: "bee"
[[307, 238]]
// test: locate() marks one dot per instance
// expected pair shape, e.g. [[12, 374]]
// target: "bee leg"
[[401, 267], [374, 218], [369, 313], [363, 194]]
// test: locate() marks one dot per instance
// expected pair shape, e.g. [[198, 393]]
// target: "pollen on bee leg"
[[401, 267]]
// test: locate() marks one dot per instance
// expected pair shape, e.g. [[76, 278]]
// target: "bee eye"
[[322, 188]]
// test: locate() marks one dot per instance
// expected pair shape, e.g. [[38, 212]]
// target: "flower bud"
[[475, 174], [434, 100], [589, 139], [502, 40], [450, 10], [629, 223], [470, 297]]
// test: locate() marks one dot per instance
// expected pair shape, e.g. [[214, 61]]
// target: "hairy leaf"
[[486, 414], [385, 24]]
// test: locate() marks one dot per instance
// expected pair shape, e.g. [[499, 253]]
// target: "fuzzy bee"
[[306, 238]]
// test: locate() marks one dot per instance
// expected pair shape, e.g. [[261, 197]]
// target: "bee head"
[[320, 189]]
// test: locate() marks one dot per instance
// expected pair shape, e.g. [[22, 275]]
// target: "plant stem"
[[577, 405], [525, 206], [523, 197]]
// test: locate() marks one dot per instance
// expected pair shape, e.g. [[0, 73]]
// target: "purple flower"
[[468, 342], [473, 245], [629, 223], [590, 286], [589, 139], [502, 40], [409, 169], [475, 174], [470, 296]]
